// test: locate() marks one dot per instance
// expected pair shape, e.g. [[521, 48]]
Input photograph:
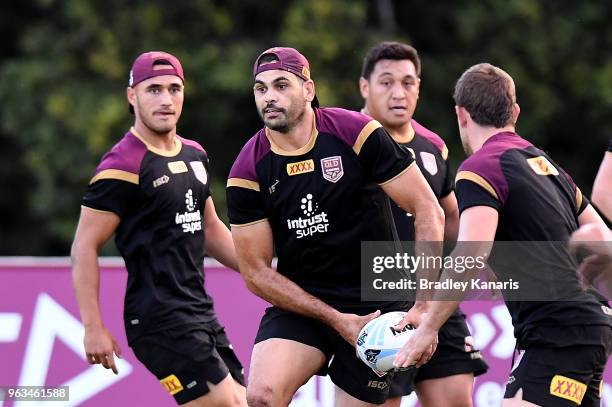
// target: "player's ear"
[[462, 116], [364, 87], [309, 90], [131, 95], [516, 110]]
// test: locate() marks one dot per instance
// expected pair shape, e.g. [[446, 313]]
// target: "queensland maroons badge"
[[199, 171], [332, 168]]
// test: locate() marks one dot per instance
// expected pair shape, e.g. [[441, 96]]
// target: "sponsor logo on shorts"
[[172, 384], [541, 166], [301, 167], [377, 385], [475, 355], [566, 388], [332, 168], [511, 380], [177, 167]]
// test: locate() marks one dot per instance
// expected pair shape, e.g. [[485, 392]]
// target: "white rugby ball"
[[378, 342]]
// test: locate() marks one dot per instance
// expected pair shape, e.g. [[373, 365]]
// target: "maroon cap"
[[145, 67], [287, 59]]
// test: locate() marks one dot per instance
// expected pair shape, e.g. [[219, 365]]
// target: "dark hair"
[[488, 94], [267, 58], [161, 62], [389, 50]]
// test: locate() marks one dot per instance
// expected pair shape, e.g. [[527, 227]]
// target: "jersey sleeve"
[[473, 190], [244, 203], [381, 157], [111, 195]]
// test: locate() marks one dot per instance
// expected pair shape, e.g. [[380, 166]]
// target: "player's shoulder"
[[348, 125], [487, 160], [250, 155], [191, 144], [122, 161], [431, 137]]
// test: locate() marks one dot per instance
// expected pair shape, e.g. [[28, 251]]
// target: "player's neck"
[[298, 136], [481, 134], [401, 134], [161, 141]]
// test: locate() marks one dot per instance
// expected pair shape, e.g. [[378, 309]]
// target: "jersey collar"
[[276, 149], [166, 153]]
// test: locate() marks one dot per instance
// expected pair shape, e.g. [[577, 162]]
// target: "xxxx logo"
[[301, 167], [567, 388], [172, 384]]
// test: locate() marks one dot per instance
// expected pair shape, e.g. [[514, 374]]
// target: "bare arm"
[[451, 217], [476, 224], [219, 243], [412, 192], [254, 245], [93, 230], [602, 188]]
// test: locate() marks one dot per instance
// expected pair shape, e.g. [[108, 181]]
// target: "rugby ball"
[[378, 342]]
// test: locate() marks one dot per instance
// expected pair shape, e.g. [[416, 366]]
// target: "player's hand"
[[414, 316], [418, 349], [100, 347], [349, 325], [594, 269]]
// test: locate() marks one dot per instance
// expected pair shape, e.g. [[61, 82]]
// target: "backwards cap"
[[145, 67], [286, 59]]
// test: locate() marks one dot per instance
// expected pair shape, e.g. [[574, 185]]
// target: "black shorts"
[[454, 355], [344, 367], [184, 359], [560, 377]]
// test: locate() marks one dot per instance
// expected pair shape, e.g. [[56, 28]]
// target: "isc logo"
[[377, 385]]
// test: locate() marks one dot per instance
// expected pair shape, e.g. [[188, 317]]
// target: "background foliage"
[[64, 70]]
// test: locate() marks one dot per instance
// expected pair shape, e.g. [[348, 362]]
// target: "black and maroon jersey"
[[315, 199], [160, 197], [537, 202], [430, 154]]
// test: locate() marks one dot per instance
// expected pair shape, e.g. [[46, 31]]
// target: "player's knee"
[[261, 396]]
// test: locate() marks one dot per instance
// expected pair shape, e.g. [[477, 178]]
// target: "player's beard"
[[289, 117], [161, 128]]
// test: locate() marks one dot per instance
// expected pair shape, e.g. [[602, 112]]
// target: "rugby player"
[[509, 190], [301, 185], [152, 189], [389, 85]]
